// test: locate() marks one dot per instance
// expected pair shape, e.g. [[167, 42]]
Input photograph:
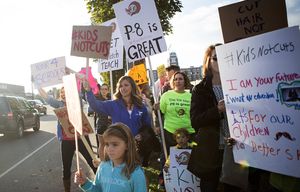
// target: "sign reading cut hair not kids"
[[91, 41], [140, 28], [261, 85]]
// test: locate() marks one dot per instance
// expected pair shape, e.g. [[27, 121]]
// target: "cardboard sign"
[[115, 58], [73, 102], [138, 74], [161, 70], [140, 28], [47, 73], [68, 128], [252, 17], [261, 84], [91, 41], [178, 178]]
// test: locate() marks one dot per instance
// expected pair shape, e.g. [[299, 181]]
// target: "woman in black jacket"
[[207, 118]]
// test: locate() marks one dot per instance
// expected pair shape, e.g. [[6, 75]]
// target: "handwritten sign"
[[178, 178], [140, 28], [68, 128], [115, 58], [138, 74], [73, 102], [161, 70], [257, 75], [252, 17], [47, 73], [91, 41]]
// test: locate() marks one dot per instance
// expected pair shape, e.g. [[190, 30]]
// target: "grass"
[[152, 172]]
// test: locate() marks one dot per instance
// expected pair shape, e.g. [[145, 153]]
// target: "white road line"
[[17, 164]]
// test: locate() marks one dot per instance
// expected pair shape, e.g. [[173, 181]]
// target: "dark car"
[[16, 115], [37, 104]]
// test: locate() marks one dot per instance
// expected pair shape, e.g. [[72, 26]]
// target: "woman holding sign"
[[209, 120], [127, 108], [67, 143]]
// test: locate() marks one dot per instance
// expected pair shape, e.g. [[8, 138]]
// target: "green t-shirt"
[[176, 109]]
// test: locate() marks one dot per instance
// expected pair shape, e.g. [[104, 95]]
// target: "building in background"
[[173, 60], [193, 73], [13, 90]]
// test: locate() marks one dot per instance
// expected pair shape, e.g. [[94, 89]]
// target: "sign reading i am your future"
[[115, 58], [140, 28], [261, 84]]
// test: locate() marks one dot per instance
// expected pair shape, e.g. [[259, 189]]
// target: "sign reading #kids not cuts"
[[91, 41], [47, 73], [140, 28], [115, 58], [178, 178], [261, 84]]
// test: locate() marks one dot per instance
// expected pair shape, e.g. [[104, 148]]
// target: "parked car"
[[37, 104], [16, 115]]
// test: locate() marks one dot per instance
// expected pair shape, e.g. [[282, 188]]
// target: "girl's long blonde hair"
[[131, 158]]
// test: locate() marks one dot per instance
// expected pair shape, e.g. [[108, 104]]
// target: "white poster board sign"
[[140, 28], [91, 41], [115, 58], [257, 75], [73, 102], [178, 178], [48, 73]]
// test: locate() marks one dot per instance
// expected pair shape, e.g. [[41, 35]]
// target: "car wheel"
[[20, 130], [45, 113], [37, 124]]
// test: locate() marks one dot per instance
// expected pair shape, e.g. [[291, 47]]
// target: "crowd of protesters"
[[192, 118]]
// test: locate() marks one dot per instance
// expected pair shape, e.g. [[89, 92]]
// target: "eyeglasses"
[[214, 58]]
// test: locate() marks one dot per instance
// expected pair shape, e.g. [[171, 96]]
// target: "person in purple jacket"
[[127, 107]]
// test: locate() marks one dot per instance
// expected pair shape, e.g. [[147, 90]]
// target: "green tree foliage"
[[101, 11]]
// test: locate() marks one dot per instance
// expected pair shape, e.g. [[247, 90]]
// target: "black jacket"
[[206, 157]]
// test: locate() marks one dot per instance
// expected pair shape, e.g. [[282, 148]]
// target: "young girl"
[[120, 170]]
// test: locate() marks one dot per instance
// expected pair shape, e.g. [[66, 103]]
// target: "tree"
[[101, 11]]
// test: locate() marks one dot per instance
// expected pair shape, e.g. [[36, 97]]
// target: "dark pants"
[[67, 152]]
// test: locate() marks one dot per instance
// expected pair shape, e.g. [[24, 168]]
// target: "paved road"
[[33, 163]]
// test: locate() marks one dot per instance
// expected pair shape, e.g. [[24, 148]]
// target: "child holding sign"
[[120, 170]]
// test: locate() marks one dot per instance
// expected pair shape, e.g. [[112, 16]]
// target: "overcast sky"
[[38, 30]]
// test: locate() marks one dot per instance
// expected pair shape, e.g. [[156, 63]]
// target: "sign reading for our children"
[[68, 128], [261, 84], [140, 28], [115, 58], [252, 17], [178, 178], [47, 73], [91, 41]]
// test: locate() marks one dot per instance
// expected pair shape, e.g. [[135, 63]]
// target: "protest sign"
[[115, 58], [178, 178], [91, 41], [139, 74], [68, 128], [47, 73], [140, 28], [161, 70], [252, 17], [257, 75], [73, 102], [92, 81]]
